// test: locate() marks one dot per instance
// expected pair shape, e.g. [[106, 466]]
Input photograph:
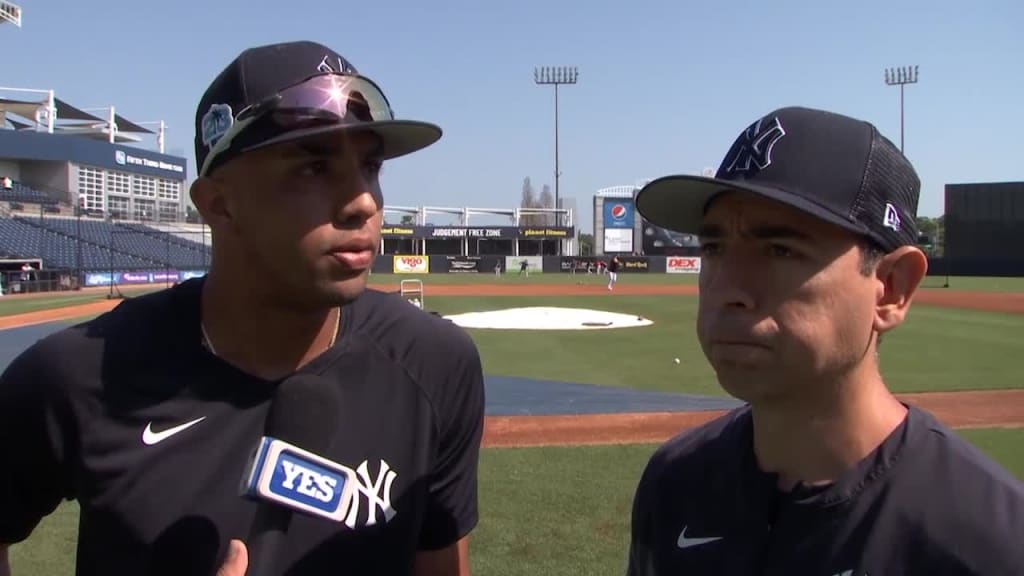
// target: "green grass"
[[941, 349], [551, 511], [971, 283], [983, 284], [50, 301], [50, 550], [21, 305], [937, 349], [534, 279], [634, 357], [11, 306]]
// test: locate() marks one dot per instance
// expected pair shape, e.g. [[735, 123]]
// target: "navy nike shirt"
[[131, 416], [925, 502]]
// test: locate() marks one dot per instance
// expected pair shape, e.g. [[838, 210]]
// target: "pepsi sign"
[[618, 213], [300, 480]]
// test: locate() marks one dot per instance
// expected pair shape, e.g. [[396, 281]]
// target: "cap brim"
[[679, 202], [397, 137]]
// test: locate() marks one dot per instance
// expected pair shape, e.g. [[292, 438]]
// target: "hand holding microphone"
[[287, 473], [237, 561]]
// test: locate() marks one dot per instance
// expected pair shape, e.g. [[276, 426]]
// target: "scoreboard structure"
[[984, 227], [620, 230]]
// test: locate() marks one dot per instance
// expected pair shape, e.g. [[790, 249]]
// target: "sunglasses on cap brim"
[[326, 99]]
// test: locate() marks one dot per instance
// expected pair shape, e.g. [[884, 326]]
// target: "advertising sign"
[[514, 264], [618, 240], [411, 264], [618, 213], [477, 232], [683, 265], [463, 264], [635, 264]]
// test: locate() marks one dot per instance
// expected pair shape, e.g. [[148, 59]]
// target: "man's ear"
[[899, 274], [210, 197]]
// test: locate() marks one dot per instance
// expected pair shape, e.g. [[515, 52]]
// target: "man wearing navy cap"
[[148, 414], [808, 257]]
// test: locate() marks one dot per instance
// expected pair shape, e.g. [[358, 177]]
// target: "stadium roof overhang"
[[86, 124]]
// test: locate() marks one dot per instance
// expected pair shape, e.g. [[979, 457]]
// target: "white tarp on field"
[[548, 318]]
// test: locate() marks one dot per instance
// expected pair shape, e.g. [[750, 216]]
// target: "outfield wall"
[[435, 264], [405, 265], [443, 264], [984, 221]]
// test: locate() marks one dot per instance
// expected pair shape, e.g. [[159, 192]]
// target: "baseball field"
[[557, 477]]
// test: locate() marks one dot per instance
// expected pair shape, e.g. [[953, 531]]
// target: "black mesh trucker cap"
[[311, 89], [831, 166]]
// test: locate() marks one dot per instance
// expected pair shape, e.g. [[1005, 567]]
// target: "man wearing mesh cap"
[[808, 257], [149, 414]]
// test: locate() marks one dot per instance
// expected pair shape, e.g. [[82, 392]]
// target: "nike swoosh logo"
[[149, 437], [685, 542]]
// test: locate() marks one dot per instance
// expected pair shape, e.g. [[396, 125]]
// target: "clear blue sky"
[[664, 86]]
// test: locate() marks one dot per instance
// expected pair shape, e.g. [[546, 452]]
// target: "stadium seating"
[[104, 245], [23, 240], [23, 193]]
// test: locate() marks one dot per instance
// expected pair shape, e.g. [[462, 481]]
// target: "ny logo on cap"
[[755, 145], [326, 66]]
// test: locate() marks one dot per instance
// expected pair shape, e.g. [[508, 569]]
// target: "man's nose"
[[731, 281], [358, 200]]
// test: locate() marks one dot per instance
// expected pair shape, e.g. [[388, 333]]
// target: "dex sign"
[[683, 265]]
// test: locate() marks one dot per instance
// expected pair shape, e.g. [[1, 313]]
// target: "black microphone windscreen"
[[304, 411]]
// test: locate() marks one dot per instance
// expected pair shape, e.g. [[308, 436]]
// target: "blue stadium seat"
[[104, 245], [24, 193]]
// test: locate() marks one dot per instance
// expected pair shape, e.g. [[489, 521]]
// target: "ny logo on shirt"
[[375, 492]]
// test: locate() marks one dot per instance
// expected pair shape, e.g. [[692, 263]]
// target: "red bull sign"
[[411, 264]]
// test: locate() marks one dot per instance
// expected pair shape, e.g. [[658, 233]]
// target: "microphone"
[[287, 474]]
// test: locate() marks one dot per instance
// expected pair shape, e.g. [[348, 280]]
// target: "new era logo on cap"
[[892, 218], [834, 167]]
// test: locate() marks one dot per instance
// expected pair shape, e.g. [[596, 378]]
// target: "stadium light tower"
[[10, 12], [901, 77], [556, 76]]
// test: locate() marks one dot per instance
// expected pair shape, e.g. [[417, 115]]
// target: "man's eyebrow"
[[315, 149], [326, 148], [709, 231], [766, 232]]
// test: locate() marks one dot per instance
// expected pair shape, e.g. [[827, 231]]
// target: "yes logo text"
[[304, 480], [300, 480]]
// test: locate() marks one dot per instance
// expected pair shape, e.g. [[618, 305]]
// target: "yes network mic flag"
[[287, 473]]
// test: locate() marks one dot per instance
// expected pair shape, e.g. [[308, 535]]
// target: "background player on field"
[[613, 272]]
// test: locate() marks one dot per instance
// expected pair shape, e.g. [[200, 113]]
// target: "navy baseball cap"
[[833, 167], [286, 91]]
